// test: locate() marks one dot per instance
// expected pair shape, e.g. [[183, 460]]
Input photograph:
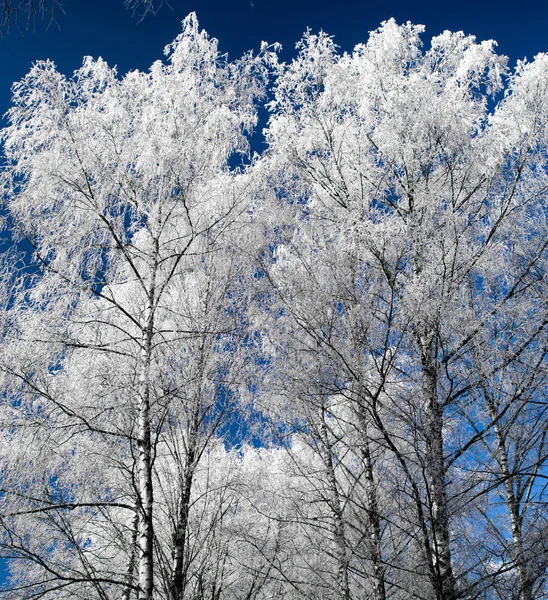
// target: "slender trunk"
[[374, 523], [144, 444], [336, 508], [444, 584], [178, 576], [375, 537], [130, 572], [518, 553], [425, 336]]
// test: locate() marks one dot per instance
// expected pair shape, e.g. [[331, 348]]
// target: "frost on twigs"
[[120, 192], [316, 373]]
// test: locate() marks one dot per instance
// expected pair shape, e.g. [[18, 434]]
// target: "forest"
[[277, 330]]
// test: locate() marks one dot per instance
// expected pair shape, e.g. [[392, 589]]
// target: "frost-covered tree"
[[373, 286], [414, 243], [123, 320]]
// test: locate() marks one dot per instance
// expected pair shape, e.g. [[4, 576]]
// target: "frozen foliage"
[[320, 375]]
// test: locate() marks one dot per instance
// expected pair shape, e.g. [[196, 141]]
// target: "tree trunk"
[[132, 554], [144, 444], [374, 521], [374, 525], [337, 511], [444, 583], [518, 553], [178, 576]]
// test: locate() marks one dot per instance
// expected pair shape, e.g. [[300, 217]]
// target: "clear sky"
[[104, 28]]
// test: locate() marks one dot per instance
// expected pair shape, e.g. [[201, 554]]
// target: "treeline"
[[318, 372]]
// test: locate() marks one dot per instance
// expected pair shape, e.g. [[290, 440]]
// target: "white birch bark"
[[516, 520], [132, 555], [178, 575], [144, 442], [444, 580], [335, 505]]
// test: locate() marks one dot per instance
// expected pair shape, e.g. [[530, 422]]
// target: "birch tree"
[[393, 161], [118, 193], [374, 286]]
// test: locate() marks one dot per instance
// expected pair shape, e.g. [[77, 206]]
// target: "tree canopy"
[[318, 371]]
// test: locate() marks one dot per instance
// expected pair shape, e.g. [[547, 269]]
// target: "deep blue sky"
[[104, 28]]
